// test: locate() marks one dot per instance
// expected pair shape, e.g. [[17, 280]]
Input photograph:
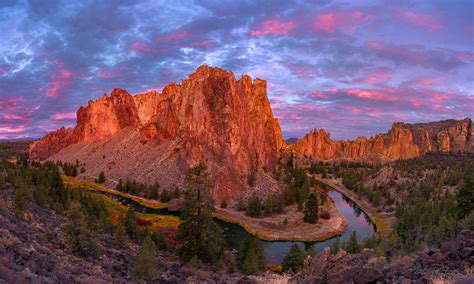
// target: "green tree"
[[254, 207], [101, 178], [20, 199], [336, 246], [144, 267], [198, 236], [465, 198], [160, 241], [250, 265], [352, 245], [131, 224], [294, 259], [251, 255], [78, 236], [311, 209]]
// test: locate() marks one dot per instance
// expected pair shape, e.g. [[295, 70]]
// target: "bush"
[[224, 204], [325, 214]]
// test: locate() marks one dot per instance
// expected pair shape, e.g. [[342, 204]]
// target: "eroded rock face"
[[403, 141], [210, 117]]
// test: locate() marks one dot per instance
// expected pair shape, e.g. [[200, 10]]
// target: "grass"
[[118, 209], [89, 185]]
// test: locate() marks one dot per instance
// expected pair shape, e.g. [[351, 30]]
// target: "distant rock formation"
[[210, 117], [403, 141]]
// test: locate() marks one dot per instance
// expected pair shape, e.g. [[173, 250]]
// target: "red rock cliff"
[[209, 117], [403, 141]]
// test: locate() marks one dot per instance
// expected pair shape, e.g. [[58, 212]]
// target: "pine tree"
[[101, 178], [160, 241], [336, 246], [254, 207], [352, 245], [131, 224], [79, 238], [294, 259], [120, 233], [465, 198], [250, 264], [198, 236], [255, 245], [311, 209], [144, 267]]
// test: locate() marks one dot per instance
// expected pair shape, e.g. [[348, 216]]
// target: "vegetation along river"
[[357, 220]]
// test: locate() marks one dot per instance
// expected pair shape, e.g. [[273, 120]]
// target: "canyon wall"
[[210, 117], [403, 141]]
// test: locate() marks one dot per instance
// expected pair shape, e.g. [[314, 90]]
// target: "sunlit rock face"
[[210, 117], [403, 141]]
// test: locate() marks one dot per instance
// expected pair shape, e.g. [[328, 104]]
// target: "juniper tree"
[[79, 238], [294, 259], [311, 209], [144, 267], [131, 224], [465, 198], [101, 178]]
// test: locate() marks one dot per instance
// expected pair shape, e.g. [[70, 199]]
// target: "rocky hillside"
[[403, 141], [210, 117]]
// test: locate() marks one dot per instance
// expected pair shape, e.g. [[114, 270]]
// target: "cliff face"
[[403, 141], [210, 117]]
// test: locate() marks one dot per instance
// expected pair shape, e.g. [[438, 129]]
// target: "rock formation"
[[210, 117], [403, 141]]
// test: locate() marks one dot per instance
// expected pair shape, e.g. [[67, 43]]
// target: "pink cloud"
[[424, 21], [374, 77], [273, 27], [10, 116], [340, 20], [63, 116], [140, 47], [172, 37], [60, 79]]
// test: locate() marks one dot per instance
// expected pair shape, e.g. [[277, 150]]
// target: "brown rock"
[[403, 141]]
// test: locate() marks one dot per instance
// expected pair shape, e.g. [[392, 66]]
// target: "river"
[[234, 234]]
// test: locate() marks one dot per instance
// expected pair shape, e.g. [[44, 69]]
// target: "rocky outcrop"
[[403, 141], [210, 117], [452, 258]]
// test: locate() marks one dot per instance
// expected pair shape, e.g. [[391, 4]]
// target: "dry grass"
[[118, 209], [88, 185]]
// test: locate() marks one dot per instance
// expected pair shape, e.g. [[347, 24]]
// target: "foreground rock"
[[210, 117], [452, 262], [403, 141]]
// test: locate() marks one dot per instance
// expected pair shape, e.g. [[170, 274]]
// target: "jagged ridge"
[[403, 141]]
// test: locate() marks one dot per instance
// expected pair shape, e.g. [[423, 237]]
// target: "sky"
[[350, 67]]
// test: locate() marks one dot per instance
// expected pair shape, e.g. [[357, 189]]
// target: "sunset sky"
[[351, 67]]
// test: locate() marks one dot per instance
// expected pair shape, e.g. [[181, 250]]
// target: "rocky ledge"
[[451, 263]]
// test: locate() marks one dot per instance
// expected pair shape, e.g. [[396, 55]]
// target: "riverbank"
[[272, 228], [383, 221], [89, 185], [268, 228]]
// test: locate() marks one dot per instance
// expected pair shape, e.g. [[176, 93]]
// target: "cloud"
[[425, 21], [273, 27], [348, 21]]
